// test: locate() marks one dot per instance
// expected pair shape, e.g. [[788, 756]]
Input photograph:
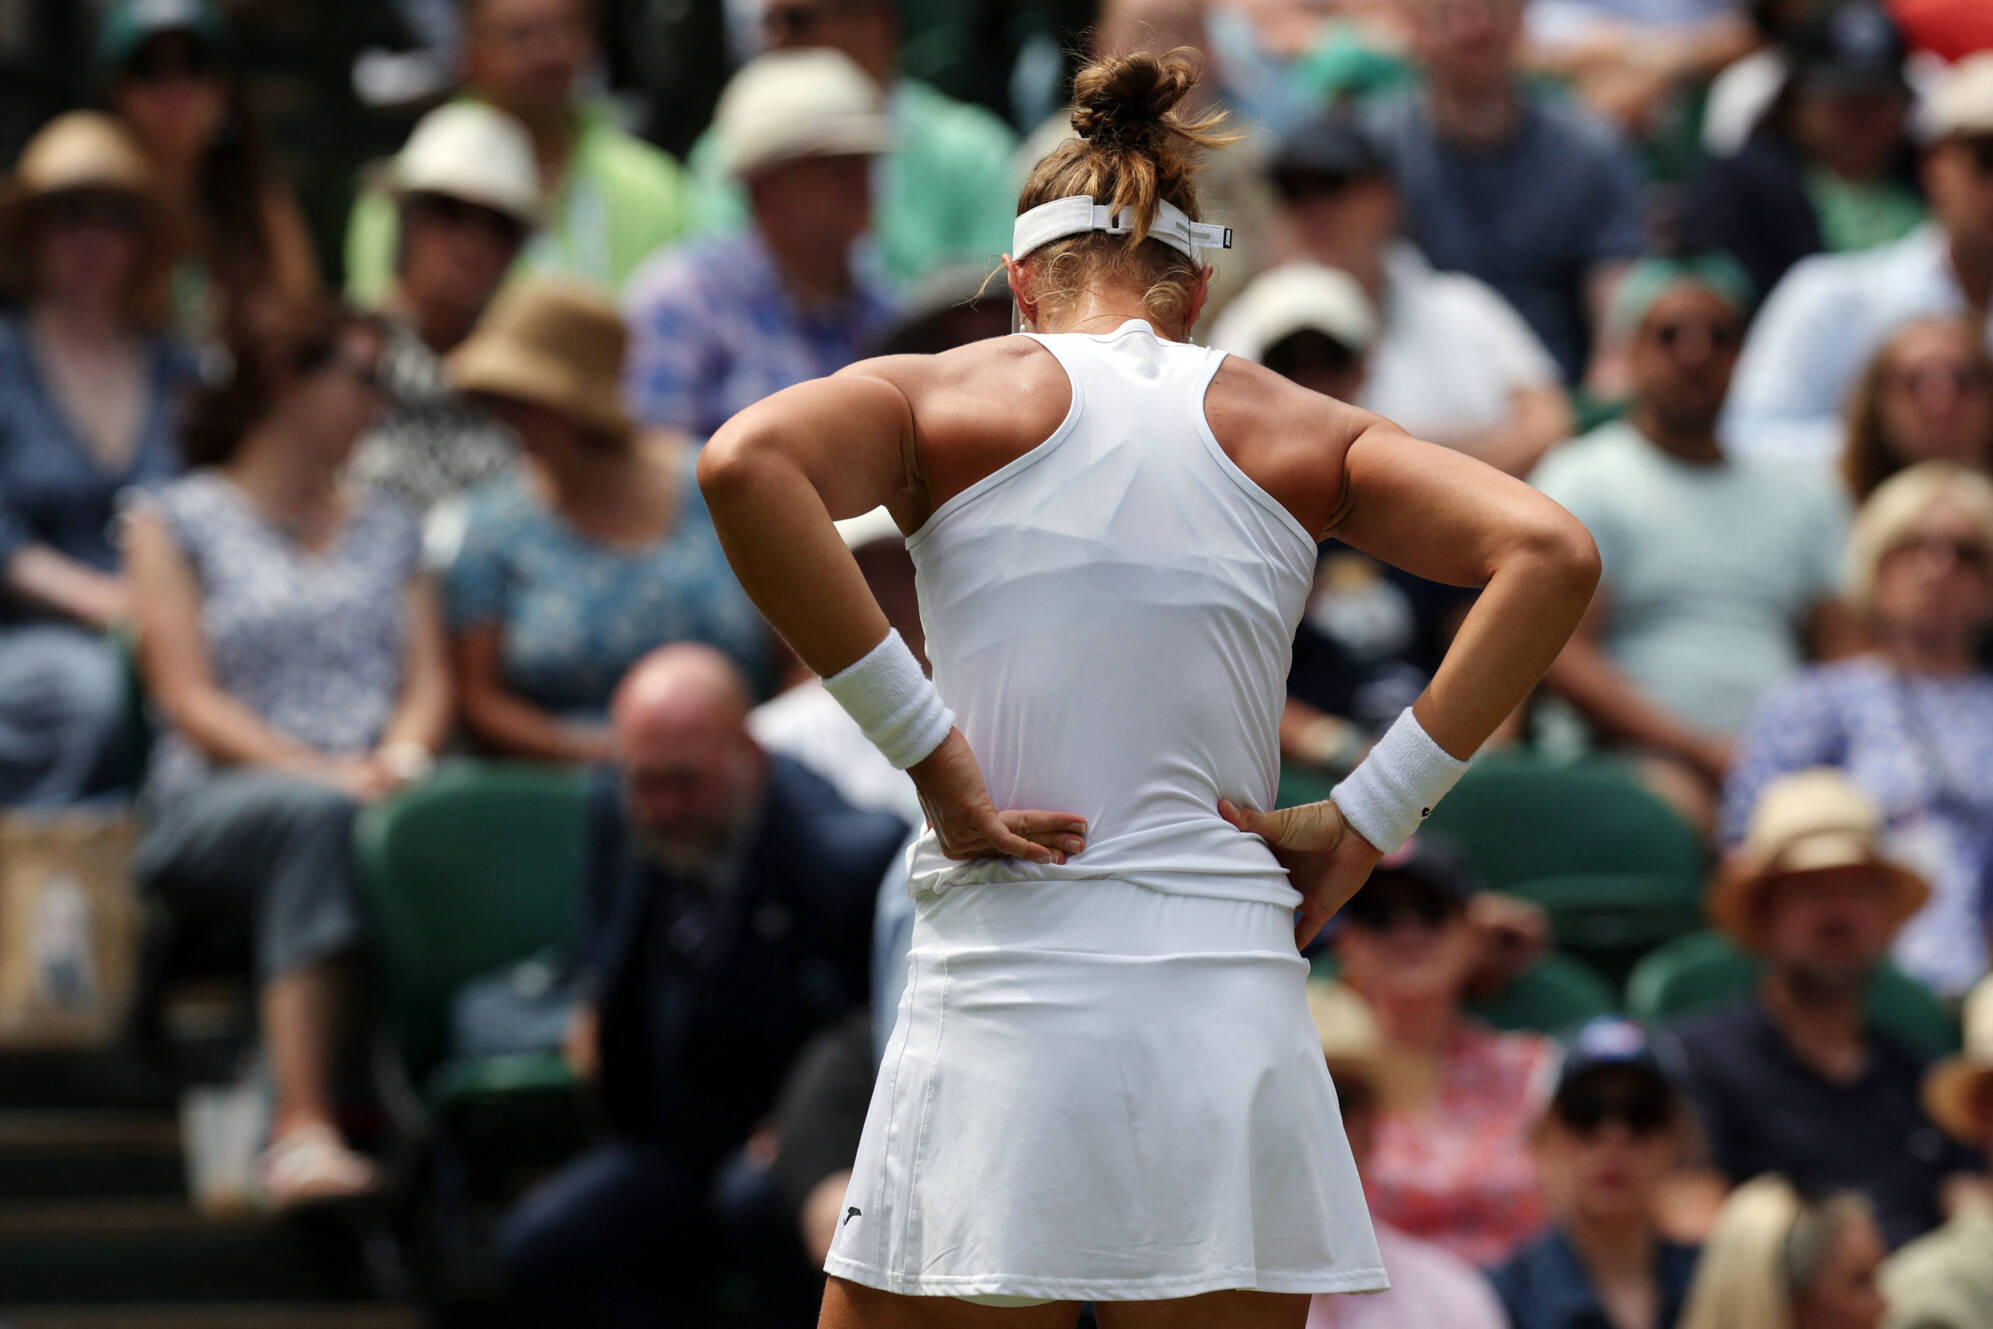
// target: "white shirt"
[[1816, 334], [1453, 352]]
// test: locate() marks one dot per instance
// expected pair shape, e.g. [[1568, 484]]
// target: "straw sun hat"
[[1810, 821], [551, 344], [77, 153], [1955, 1088]]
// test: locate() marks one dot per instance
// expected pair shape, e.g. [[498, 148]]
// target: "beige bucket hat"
[[1956, 1088], [1810, 821], [554, 344]]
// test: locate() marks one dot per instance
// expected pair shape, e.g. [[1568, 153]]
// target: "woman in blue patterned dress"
[[288, 634], [594, 554], [90, 399], [1912, 721]]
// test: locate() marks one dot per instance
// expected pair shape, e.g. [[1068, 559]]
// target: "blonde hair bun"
[[1128, 100]]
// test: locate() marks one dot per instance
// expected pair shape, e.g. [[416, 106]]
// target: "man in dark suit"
[[729, 910]]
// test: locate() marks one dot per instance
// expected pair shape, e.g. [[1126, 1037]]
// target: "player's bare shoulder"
[[1290, 440], [1012, 380]]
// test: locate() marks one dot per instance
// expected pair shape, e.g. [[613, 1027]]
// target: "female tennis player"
[[1103, 1084]]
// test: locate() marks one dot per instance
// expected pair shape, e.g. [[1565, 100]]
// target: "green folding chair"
[[1556, 994], [1704, 970], [475, 869]]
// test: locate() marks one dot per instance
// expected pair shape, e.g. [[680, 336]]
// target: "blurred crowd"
[[1716, 275]]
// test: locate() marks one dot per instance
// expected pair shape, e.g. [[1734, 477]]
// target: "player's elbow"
[[1562, 555], [732, 461]]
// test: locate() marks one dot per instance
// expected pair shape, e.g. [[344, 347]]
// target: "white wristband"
[[893, 702], [1394, 788]]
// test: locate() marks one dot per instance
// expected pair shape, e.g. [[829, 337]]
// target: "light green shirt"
[[621, 200], [1861, 216], [1710, 570], [943, 195]]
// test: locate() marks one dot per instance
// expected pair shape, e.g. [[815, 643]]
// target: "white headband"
[[1079, 214]]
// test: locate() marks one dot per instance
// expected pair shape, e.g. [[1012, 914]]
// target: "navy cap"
[[1610, 1042], [131, 23], [1333, 145], [1848, 46]]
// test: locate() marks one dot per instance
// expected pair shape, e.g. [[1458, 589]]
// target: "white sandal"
[[311, 1165]]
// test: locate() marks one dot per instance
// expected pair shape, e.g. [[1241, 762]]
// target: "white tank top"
[[1111, 616]]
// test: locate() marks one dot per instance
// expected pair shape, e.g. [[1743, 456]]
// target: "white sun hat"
[[1299, 297], [812, 102], [475, 152]]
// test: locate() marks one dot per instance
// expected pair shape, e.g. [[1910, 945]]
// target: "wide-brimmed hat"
[[1953, 1088], [1961, 105], [472, 151], [786, 105], [1810, 821], [555, 344], [76, 153]]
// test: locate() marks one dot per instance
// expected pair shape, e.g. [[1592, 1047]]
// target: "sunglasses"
[[1980, 151], [1961, 377], [89, 210], [1301, 186], [1379, 906], [158, 62], [1722, 336], [368, 373], [1645, 1111], [458, 214], [1968, 553]]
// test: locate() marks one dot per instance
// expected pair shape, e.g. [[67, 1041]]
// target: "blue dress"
[[62, 691], [574, 614]]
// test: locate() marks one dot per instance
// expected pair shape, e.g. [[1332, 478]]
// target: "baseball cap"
[[472, 151], [1848, 46], [1962, 104], [1332, 146], [1299, 297], [132, 23], [1611, 1043], [785, 105]]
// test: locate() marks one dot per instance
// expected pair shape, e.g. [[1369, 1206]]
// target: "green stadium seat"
[[1555, 995], [1697, 972], [475, 869]]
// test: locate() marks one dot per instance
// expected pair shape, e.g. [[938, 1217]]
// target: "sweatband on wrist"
[[1394, 788], [893, 701]]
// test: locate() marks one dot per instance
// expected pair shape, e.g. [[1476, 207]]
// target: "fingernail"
[[1059, 859], [1074, 844]]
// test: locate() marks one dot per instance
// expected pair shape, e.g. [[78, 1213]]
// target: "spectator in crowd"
[[1926, 396], [720, 324], [1829, 166], [1718, 570], [1615, 1129], [170, 67], [1945, 1280], [728, 915], [1519, 187], [1429, 1284], [1779, 1260], [1451, 361], [1826, 319], [469, 196], [1911, 722], [287, 629], [1739, 96], [1452, 1162], [1631, 60], [1371, 635], [610, 199], [942, 191], [1792, 1077], [569, 572], [89, 406]]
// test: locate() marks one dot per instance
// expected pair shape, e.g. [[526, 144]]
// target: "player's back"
[[1111, 615]]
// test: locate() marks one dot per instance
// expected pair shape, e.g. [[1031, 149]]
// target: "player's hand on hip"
[[1324, 858], [967, 822]]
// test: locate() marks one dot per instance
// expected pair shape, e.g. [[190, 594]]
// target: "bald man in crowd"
[[728, 918]]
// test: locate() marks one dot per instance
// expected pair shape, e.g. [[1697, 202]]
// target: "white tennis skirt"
[[1098, 1091]]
